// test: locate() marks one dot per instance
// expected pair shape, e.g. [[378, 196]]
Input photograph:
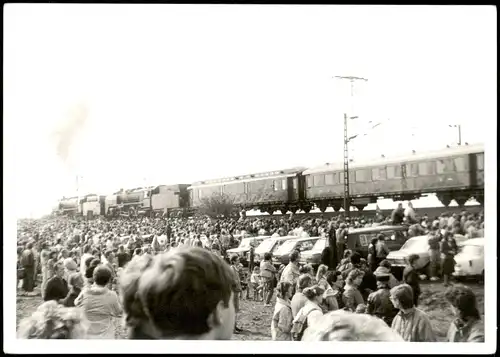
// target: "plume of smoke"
[[67, 132]]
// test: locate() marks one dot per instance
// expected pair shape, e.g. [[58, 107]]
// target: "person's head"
[[53, 255], [94, 262], [294, 256], [306, 269], [383, 280], [355, 258], [314, 293], [64, 253], [185, 293], [54, 321], [360, 309], [88, 261], [256, 270], [138, 251], [268, 256], [109, 255], [374, 241], [341, 325], [322, 269], [463, 302], [284, 290], [59, 269], [304, 281], [70, 265], [121, 249], [385, 264], [29, 245], [381, 237], [402, 297], [101, 275], [412, 259], [355, 277], [76, 280], [334, 278], [234, 260]]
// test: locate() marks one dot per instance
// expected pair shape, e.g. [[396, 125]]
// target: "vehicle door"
[[305, 245]]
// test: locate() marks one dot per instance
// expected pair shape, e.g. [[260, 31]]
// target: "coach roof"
[[382, 161]]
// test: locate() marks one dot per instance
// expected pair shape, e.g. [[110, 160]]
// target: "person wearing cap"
[[379, 302], [385, 268]]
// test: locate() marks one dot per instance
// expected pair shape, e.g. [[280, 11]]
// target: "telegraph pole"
[[347, 195]]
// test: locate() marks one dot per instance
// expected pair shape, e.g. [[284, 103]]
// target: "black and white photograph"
[[244, 178]]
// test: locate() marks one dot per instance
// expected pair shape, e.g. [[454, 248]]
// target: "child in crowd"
[[256, 282]]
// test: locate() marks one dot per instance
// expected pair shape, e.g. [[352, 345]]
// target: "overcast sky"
[[175, 94]]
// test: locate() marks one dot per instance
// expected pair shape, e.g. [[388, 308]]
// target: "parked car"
[[313, 256], [244, 247], [269, 246], [470, 259], [282, 254], [416, 245], [395, 237]]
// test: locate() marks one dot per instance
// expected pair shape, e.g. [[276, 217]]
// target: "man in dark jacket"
[[379, 303], [76, 284], [398, 214], [27, 261]]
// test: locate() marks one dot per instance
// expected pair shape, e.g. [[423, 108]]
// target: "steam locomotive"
[[452, 174]]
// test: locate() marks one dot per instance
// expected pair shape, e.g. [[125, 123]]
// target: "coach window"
[[382, 173], [352, 176], [319, 180], [199, 194], [414, 170], [375, 174], [460, 164], [295, 184], [276, 185], [361, 176], [329, 179], [341, 178], [283, 184], [309, 181], [444, 166], [480, 161], [393, 172], [423, 168]]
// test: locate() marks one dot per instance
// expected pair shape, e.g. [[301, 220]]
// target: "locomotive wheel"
[[284, 210], [360, 207], [480, 199], [322, 207], [307, 209], [293, 210], [337, 207]]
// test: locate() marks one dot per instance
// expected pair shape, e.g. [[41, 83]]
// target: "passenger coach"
[[454, 173]]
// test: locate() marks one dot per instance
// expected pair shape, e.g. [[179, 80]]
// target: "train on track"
[[454, 173]]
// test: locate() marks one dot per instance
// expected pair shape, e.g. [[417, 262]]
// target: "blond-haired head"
[[54, 321], [341, 325]]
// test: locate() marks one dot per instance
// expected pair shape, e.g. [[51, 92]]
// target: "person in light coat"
[[101, 305], [281, 323], [411, 323]]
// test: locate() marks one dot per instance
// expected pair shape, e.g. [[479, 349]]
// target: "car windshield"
[[286, 247], [472, 250], [266, 245], [416, 244], [319, 245]]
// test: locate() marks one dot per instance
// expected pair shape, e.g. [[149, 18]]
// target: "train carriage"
[[93, 205], [453, 173], [167, 198], [267, 191]]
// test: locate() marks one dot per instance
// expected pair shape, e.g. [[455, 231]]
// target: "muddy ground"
[[255, 318]]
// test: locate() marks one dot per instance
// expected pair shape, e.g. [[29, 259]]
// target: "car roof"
[[307, 238], [419, 238], [283, 238], [474, 241], [377, 229]]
